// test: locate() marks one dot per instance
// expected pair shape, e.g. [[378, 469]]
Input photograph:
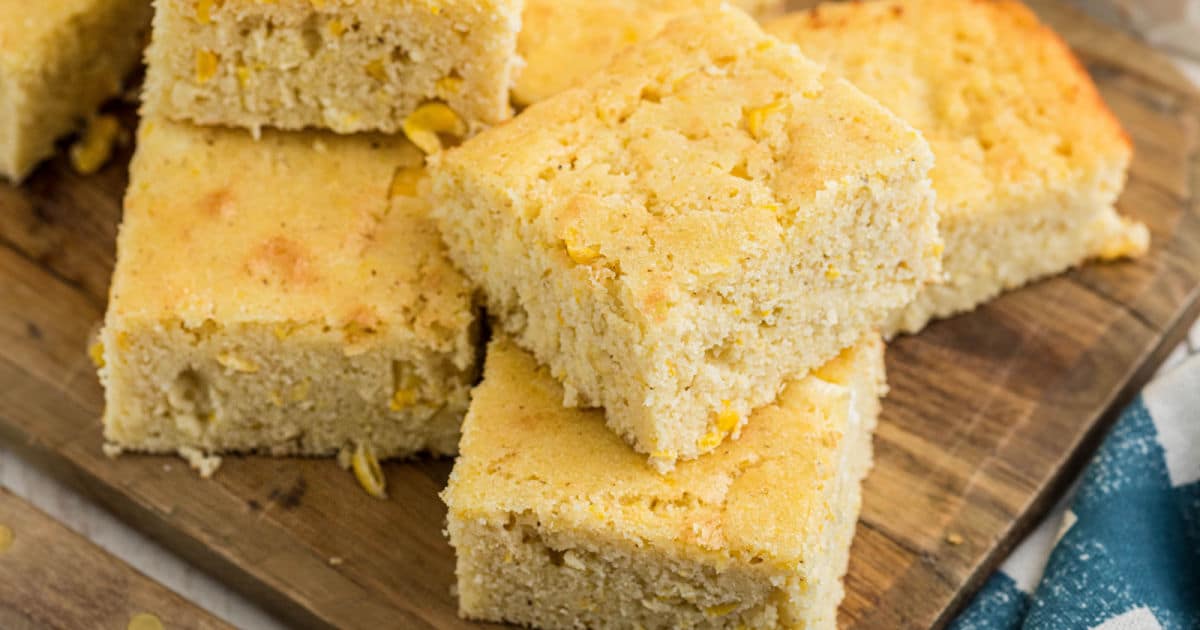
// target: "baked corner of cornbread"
[[285, 295], [1029, 159], [707, 217], [345, 66], [556, 523]]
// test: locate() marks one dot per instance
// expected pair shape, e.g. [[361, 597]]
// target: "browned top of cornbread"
[[765, 495], [295, 228], [565, 41], [706, 146], [1004, 104]]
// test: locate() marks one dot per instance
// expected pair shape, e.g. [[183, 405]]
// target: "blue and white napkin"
[[1122, 551]]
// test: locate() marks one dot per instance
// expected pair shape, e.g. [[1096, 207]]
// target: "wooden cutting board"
[[989, 413], [55, 578]]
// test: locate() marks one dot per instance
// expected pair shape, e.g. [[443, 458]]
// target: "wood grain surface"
[[989, 414], [54, 578]]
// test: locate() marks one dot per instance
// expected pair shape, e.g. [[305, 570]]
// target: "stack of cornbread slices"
[[688, 244]]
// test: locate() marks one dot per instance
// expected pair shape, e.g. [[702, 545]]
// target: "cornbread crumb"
[[342, 65], [566, 41], [557, 524], [1029, 159], [954, 539], [272, 298], [671, 264], [205, 465], [58, 62]]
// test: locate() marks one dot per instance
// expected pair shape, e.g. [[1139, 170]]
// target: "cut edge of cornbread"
[[342, 65], [54, 75], [303, 332], [555, 523], [1030, 160], [678, 322]]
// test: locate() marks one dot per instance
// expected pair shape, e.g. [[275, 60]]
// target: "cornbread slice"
[[706, 219], [1029, 159], [345, 65], [58, 62], [565, 41], [557, 524], [285, 296]]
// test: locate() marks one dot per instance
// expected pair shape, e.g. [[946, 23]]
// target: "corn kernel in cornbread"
[[662, 236], [557, 524], [276, 296], [345, 65], [1029, 159], [565, 41], [58, 62]]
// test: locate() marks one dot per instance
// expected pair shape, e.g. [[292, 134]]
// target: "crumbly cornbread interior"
[[704, 220], [59, 61], [564, 41], [346, 65], [556, 523], [1030, 160], [287, 295]]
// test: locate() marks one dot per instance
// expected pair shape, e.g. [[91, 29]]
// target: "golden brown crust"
[[565, 41], [297, 227], [1001, 98]]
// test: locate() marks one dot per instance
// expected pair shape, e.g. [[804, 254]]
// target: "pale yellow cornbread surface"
[[565, 41], [555, 521], [1029, 159], [345, 65], [59, 60], [287, 295], [707, 218]]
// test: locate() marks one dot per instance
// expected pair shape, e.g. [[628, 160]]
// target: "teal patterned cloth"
[[1122, 552]]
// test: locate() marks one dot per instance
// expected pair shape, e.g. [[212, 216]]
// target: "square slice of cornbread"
[[707, 218], [58, 62], [557, 524], [1029, 159], [285, 296], [564, 41], [345, 65]]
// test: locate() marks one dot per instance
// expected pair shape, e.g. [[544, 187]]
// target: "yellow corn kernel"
[[96, 354], [336, 28], [449, 85], [720, 610], [367, 471], [831, 273], [406, 387], [756, 117], [204, 11], [727, 419], [709, 441], [243, 75], [405, 181], [206, 65], [936, 249], [376, 70], [597, 512], [94, 147], [402, 398], [670, 367], [144, 621], [283, 330], [430, 119], [236, 363], [579, 252]]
